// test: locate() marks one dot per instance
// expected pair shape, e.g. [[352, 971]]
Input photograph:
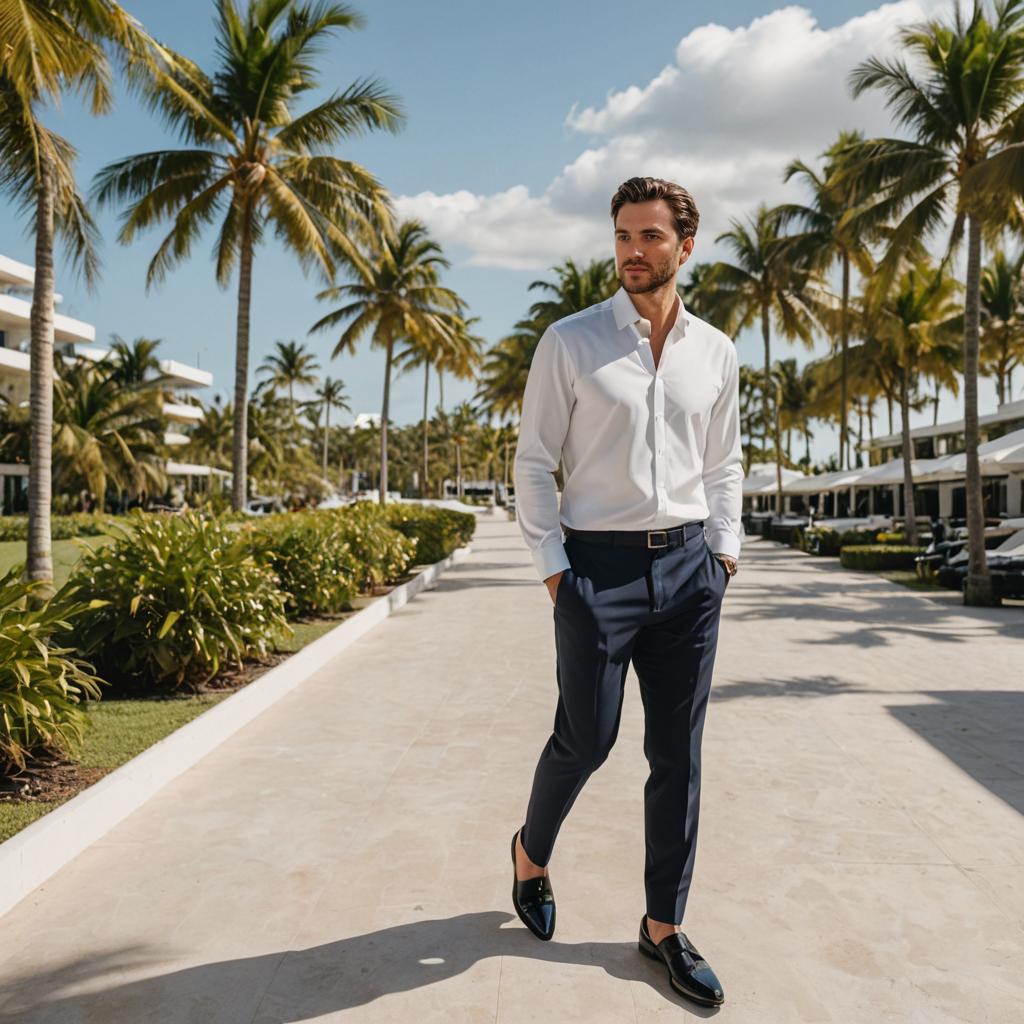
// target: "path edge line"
[[36, 853]]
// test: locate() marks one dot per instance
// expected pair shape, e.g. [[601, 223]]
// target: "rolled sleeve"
[[722, 471], [548, 399]]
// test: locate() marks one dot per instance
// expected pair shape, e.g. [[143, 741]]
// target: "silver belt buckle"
[[651, 533]]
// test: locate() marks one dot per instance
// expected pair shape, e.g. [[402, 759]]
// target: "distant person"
[[639, 400]]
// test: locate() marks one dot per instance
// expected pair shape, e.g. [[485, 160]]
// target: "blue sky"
[[522, 118]]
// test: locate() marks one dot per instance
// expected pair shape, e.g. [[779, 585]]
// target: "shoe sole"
[[649, 950], [519, 913]]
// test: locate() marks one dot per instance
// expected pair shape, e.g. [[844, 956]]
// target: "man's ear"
[[687, 248]]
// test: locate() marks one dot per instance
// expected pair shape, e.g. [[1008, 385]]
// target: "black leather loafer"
[[688, 972], [534, 900]]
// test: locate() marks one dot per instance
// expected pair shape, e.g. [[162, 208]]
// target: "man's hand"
[[552, 584], [728, 561]]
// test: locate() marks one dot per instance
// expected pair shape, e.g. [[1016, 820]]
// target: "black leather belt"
[[669, 538]]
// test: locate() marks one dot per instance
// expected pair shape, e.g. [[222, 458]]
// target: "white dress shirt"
[[642, 447]]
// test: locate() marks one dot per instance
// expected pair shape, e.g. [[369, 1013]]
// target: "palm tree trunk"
[[908, 476], [39, 558], [424, 491], [778, 447], [458, 471], [844, 333], [978, 584], [440, 384], [327, 430], [935, 411], [384, 424], [770, 417], [240, 449]]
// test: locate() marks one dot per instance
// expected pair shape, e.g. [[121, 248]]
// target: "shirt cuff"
[[724, 542], [550, 558]]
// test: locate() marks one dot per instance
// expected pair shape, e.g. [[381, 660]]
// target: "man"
[[639, 400]]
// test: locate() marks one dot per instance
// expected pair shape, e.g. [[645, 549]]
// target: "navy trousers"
[[659, 609]]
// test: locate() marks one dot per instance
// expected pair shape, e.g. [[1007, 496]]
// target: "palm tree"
[[462, 427], [1002, 320], [255, 163], [919, 314], [398, 297], [210, 439], [331, 394], [291, 364], [49, 47], [765, 284], [827, 235], [106, 433], [134, 363], [574, 289], [962, 107], [37, 170], [453, 345]]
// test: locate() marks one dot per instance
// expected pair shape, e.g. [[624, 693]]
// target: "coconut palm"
[[827, 236], [961, 102], [764, 285], [462, 428], [331, 395], [291, 364], [133, 363], [398, 298], [106, 434], [210, 439], [47, 48], [1002, 320], [574, 289], [254, 163], [451, 343], [920, 314]]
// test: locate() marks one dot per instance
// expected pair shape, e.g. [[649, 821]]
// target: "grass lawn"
[[65, 554]]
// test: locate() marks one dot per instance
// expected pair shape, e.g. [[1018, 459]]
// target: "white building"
[[76, 338]]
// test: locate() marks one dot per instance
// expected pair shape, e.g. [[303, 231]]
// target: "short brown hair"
[[643, 190]]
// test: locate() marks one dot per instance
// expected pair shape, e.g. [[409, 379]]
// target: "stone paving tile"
[[345, 856]]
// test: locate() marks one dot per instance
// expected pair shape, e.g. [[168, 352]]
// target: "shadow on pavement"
[[981, 731], [306, 984]]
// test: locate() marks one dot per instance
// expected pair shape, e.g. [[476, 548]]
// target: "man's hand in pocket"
[[552, 584]]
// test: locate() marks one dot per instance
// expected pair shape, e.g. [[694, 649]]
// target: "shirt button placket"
[[659, 439]]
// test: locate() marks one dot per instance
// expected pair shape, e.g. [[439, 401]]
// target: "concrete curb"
[[41, 849]]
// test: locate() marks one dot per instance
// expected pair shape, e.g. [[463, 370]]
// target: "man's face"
[[648, 251]]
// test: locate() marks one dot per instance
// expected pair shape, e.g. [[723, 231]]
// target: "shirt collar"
[[625, 314]]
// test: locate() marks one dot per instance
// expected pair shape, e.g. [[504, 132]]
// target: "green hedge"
[[182, 595], [78, 524], [879, 556], [438, 531], [824, 540]]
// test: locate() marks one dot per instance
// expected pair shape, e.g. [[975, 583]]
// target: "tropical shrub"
[[182, 594], [879, 556], [41, 682], [312, 559], [438, 531], [384, 555]]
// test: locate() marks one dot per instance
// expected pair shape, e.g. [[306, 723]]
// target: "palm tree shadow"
[[304, 984]]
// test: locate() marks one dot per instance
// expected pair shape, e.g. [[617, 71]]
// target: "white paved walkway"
[[344, 857]]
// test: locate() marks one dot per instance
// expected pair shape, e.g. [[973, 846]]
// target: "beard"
[[660, 274]]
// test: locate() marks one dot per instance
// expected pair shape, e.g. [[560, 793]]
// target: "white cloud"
[[736, 106]]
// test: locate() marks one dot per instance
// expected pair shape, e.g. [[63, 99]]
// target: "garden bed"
[[121, 729]]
